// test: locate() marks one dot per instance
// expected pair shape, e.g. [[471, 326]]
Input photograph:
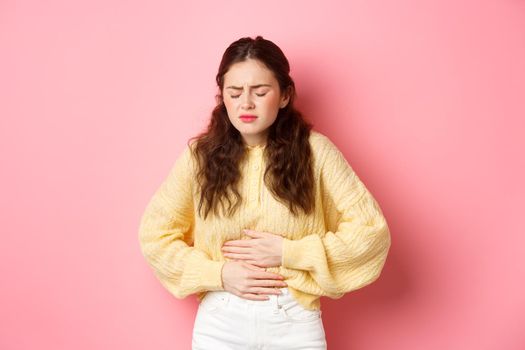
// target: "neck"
[[255, 142]]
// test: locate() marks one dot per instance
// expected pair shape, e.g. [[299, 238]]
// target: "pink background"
[[424, 98]]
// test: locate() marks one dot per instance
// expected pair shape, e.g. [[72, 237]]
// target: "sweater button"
[[256, 167]]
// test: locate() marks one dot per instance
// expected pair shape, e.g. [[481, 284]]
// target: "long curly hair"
[[220, 149]]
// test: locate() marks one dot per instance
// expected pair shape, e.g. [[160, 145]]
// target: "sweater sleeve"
[[352, 256], [166, 236]]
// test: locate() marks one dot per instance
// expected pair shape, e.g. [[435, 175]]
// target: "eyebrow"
[[252, 86]]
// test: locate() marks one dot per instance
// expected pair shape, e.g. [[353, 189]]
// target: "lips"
[[248, 118]]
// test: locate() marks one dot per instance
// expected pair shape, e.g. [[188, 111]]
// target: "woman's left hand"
[[264, 249]]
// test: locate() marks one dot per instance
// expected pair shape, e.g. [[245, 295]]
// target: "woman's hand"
[[245, 276], [248, 281], [264, 249]]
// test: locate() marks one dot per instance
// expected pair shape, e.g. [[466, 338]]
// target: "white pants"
[[225, 321]]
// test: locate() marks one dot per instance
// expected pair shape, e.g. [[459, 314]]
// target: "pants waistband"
[[274, 300]]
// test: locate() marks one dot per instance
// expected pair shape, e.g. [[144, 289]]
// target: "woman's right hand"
[[249, 281]]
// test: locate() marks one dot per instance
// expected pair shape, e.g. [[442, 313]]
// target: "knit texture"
[[340, 247]]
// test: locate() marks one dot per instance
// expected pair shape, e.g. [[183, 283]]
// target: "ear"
[[285, 98]]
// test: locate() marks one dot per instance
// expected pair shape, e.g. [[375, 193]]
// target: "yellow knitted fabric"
[[339, 248]]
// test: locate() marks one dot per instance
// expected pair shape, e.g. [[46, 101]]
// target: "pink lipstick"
[[248, 118]]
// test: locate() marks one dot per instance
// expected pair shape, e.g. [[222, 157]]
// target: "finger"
[[256, 263], [266, 275], [254, 267], [267, 284], [252, 263]]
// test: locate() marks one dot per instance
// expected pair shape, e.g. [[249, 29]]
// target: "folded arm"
[[352, 256], [165, 236]]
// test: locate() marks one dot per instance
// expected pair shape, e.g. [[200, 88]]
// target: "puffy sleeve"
[[353, 255], [166, 235]]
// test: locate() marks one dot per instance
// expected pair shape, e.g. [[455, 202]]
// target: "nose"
[[246, 102]]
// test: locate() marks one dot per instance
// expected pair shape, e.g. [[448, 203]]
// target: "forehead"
[[249, 72]]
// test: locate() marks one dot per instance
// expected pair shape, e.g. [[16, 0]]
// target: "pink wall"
[[425, 98]]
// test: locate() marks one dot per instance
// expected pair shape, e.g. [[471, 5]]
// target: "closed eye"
[[237, 96]]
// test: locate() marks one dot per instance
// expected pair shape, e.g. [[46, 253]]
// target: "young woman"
[[261, 215]]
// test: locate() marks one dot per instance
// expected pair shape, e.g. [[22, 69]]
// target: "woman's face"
[[251, 89]]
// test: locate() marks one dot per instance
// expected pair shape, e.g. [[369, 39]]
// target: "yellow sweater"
[[340, 247]]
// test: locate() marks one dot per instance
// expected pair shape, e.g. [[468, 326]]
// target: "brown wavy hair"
[[220, 149]]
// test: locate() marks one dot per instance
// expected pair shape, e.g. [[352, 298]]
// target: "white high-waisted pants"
[[225, 321]]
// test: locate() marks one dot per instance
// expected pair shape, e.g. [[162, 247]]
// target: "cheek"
[[271, 107], [230, 105], [272, 102]]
